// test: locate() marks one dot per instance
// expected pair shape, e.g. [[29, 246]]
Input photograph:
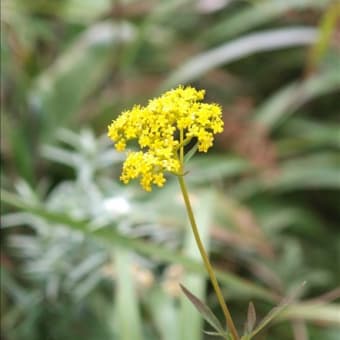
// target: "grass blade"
[[240, 48]]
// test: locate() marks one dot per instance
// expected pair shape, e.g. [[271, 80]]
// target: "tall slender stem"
[[205, 258]]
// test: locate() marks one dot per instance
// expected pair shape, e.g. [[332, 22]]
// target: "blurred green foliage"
[[85, 256]]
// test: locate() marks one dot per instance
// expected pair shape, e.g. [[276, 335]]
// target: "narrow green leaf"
[[315, 312], [190, 153], [212, 333], [206, 312], [287, 100], [251, 318], [316, 134], [130, 324], [240, 48], [276, 311], [257, 14], [327, 27], [19, 141], [164, 313], [307, 173], [225, 335]]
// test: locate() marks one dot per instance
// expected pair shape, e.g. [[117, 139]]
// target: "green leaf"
[[110, 236], [304, 173], [190, 153], [251, 318], [164, 312], [316, 171], [287, 100], [205, 311], [226, 336], [316, 312], [276, 311], [257, 14], [316, 134], [327, 27], [250, 44], [129, 320]]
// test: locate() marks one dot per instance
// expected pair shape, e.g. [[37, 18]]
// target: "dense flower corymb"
[[162, 128]]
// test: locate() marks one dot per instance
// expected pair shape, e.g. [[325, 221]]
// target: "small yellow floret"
[[157, 128]]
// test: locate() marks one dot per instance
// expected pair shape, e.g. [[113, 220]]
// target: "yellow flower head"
[[162, 128]]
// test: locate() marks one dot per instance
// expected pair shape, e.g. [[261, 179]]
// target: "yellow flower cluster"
[[162, 128]]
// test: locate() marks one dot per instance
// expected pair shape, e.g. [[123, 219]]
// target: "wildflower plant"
[[163, 129]]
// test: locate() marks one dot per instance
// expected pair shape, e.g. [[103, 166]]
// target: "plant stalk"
[[205, 258]]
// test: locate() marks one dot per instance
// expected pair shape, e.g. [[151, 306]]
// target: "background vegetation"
[[84, 256]]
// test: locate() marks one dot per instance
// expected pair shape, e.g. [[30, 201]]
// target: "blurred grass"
[[84, 256]]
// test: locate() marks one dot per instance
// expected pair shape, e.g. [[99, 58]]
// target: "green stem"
[[205, 258]]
